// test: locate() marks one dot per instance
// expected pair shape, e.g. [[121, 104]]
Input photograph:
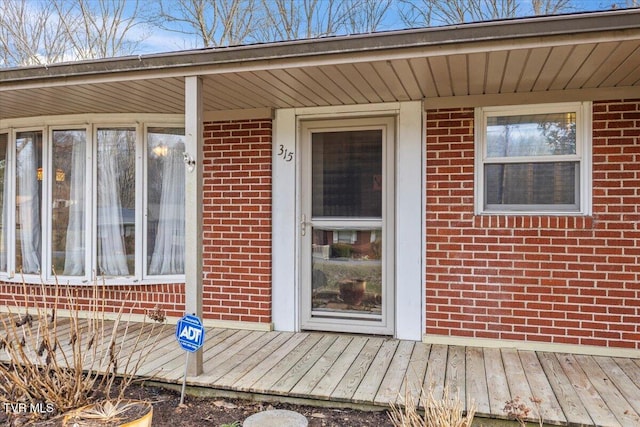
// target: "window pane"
[[347, 174], [532, 184], [531, 135], [116, 191], [165, 202], [68, 177], [347, 271], [29, 177], [4, 143]]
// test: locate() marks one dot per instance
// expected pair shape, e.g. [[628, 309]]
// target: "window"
[[533, 159], [92, 200]]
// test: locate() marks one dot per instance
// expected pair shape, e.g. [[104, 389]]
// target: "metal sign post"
[[190, 336]]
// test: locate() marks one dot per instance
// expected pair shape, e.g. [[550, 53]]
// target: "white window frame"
[[89, 123], [583, 111]]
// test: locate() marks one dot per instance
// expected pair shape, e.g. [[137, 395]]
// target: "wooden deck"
[[575, 390]]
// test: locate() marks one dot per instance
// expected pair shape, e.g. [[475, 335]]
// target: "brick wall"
[[237, 221], [138, 299], [557, 279]]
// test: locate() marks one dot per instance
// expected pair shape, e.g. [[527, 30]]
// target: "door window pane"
[[68, 177], [4, 143], [116, 195], [29, 176], [165, 201], [347, 174], [347, 271]]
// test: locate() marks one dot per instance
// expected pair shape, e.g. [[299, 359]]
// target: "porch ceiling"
[[346, 70]]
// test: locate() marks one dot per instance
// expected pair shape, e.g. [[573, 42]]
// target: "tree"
[[365, 16], [30, 33], [442, 12], [100, 28], [212, 22], [40, 32]]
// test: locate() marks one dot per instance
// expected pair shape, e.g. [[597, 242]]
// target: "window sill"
[[33, 279]]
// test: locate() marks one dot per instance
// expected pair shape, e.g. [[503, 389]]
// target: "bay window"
[[89, 200], [533, 159]]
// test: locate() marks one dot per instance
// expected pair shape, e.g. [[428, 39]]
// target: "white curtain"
[[5, 213], [112, 258], [168, 252], [74, 250], [28, 201]]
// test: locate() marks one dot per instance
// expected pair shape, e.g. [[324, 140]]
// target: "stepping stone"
[[276, 418]]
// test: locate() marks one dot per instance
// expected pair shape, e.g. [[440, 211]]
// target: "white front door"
[[346, 225]]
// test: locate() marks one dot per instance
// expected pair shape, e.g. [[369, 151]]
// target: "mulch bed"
[[216, 412]]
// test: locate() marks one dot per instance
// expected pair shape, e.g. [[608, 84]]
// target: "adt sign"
[[190, 333]]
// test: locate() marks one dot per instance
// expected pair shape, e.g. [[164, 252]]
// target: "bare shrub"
[[447, 411], [68, 362]]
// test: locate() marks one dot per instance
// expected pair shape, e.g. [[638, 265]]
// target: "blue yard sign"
[[190, 333]]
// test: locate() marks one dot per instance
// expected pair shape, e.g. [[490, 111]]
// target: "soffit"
[[535, 65]]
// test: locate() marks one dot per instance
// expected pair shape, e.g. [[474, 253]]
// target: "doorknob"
[[303, 225]]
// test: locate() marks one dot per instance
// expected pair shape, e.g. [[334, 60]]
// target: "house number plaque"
[[285, 153]]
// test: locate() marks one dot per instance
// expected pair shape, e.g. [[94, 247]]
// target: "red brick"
[[585, 268]]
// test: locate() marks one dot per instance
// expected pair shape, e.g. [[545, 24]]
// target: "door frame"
[[385, 326], [410, 231]]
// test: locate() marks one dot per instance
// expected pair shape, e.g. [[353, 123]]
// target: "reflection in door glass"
[[347, 271], [347, 174]]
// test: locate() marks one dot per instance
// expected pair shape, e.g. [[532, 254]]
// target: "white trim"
[[532, 346], [107, 119], [583, 112], [284, 226], [410, 222]]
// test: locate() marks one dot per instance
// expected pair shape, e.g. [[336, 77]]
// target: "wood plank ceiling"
[[588, 65]]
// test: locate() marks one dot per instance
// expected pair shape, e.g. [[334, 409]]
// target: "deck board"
[[412, 385], [435, 377], [455, 379], [497, 385], [476, 380]]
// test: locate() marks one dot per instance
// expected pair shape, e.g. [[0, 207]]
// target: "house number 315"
[[285, 153]]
